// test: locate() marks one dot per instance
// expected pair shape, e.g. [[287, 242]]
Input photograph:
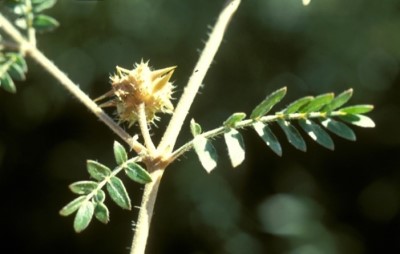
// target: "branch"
[[195, 81], [50, 67]]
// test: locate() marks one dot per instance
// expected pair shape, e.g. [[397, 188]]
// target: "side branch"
[[50, 67], [195, 81]]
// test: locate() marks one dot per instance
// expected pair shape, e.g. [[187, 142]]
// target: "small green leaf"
[[72, 206], [339, 100], [21, 23], [195, 128], [41, 5], [266, 105], [268, 136], [83, 216], [97, 170], [206, 153], [359, 120], [16, 72], [20, 60], [317, 133], [83, 187], [293, 135], [234, 118], [44, 23], [297, 104], [138, 174], [118, 194], [339, 128], [120, 153], [101, 213], [357, 109], [317, 103], [235, 144], [99, 197], [7, 83]]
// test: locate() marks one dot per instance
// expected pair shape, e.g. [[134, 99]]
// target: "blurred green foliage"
[[346, 201]]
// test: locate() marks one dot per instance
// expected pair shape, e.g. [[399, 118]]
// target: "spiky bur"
[[141, 85]]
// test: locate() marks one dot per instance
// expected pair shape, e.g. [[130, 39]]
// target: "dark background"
[[346, 201]]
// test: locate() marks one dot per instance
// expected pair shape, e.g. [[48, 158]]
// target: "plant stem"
[[195, 81], [144, 129], [50, 67], [29, 21], [146, 212]]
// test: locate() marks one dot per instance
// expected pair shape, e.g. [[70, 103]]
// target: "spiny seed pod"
[[130, 88]]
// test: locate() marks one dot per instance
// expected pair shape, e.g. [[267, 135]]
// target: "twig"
[[144, 129]]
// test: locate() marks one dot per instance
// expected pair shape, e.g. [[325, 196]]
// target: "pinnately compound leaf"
[[293, 135], [357, 109], [317, 103], [83, 187], [317, 133], [72, 206], [359, 120], [195, 128], [138, 174], [206, 153], [297, 104], [83, 216], [119, 153], [97, 170], [234, 118], [266, 105], [44, 23], [118, 194], [340, 100], [101, 213], [268, 136], [339, 128], [235, 144]]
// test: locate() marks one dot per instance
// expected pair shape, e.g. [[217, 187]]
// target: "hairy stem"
[[29, 21], [144, 129], [146, 212], [196, 79], [50, 67]]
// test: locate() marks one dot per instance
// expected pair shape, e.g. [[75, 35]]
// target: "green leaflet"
[[97, 170], [233, 119], [357, 109], [44, 23], [99, 197], [83, 187], [195, 128], [359, 120], [317, 133], [120, 153], [7, 83], [297, 104], [235, 145], [118, 194], [266, 105], [101, 213], [268, 136], [138, 174], [317, 103], [16, 72], [293, 135], [339, 100], [206, 153], [339, 128], [41, 5], [72, 206], [83, 216]]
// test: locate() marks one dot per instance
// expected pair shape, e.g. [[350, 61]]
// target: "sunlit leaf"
[[195, 128], [41, 5], [16, 72], [72, 206], [357, 109], [97, 170], [7, 83], [235, 144], [101, 213], [297, 104], [21, 23], [317, 133], [317, 103], [339, 128], [266, 105], [83, 216], [20, 61], [100, 196], [359, 120], [44, 23], [206, 153], [293, 135], [120, 153], [234, 118], [339, 100], [118, 194], [138, 174], [83, 187], [268, 136]]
